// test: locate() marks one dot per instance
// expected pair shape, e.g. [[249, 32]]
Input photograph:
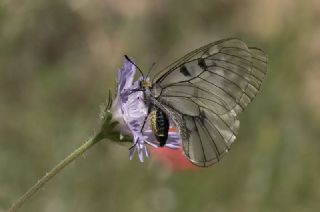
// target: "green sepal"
[[108, 126]]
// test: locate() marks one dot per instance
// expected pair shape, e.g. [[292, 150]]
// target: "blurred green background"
[[59, 58]]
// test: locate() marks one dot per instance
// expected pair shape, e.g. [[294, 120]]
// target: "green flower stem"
[[49, 175]]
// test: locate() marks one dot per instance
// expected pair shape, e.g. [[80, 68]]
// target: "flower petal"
[[126, 76]]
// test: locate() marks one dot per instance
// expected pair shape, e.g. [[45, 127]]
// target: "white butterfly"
[[202, 93]]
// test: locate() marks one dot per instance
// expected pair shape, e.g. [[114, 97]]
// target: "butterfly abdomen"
[[160, 125]]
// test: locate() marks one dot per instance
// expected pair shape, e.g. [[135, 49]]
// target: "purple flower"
[[130, 110]]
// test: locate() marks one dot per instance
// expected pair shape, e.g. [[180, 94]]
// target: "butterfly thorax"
[[145, 86]]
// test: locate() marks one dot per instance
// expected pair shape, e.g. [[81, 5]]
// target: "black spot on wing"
[[202, 63], [185, 71]]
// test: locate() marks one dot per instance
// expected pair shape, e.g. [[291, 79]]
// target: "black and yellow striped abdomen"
[[160, 125]]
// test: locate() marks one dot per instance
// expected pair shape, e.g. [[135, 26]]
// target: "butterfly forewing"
[[205, 90]]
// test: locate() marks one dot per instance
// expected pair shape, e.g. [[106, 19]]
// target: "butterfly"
[[202, 93]]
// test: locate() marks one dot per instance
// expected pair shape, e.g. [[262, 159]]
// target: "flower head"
[[131, 112]]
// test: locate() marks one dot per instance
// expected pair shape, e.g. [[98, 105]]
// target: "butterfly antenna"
[[134, 65], [150, 69]]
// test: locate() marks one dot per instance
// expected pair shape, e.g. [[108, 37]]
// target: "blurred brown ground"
[[59, 58]]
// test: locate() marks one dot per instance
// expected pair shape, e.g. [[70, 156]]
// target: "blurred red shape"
[[173, 159]]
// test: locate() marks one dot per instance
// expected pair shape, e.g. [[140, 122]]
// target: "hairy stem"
[[49, 175]]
